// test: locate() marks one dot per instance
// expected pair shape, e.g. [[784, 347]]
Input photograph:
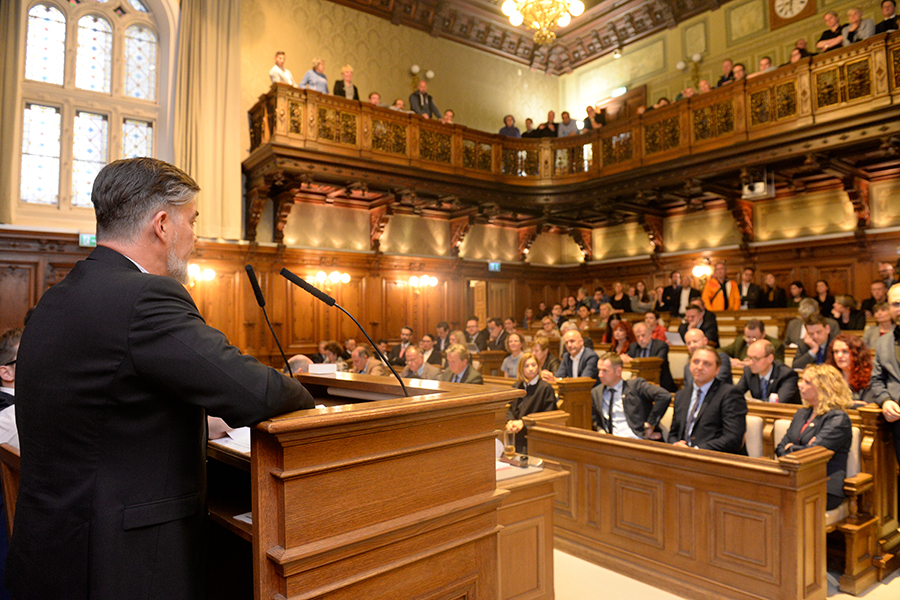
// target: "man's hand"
[[650, 434], [548, 376], [681, 444], [514, 426], [891, 411], [736, 362], [813, 346]]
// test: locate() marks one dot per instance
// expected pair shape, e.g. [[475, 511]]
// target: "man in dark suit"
[[431, 354], [646, 347], [417, 368], [677, 297], [116, 374], [815, 343], [442, 342], [630, 408], [796, 329], [697, 317], [578, 361], [694, 339], [767, 379], [397, 355], [458, 368], [421, 102], [476, 336], [710, 414], [885, 381], [750, 292], [496, 335], [888, 11]]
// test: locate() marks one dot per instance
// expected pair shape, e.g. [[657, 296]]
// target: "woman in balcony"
[[642, 300], [824, 297], [345, 87], [823, 422], [315, 78], [852, 358]]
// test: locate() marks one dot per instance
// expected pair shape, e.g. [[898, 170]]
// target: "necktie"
[[695, 408], [608, 392], [645, 352], [456, 378], [764, 383], [820, 355], [403, 350]]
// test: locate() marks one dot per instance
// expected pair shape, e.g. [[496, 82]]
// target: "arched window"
[[80, 114]]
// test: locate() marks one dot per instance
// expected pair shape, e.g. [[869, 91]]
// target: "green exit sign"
[[87, 240]]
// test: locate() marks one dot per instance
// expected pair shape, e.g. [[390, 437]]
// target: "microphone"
[[330, 302], [251, 275]]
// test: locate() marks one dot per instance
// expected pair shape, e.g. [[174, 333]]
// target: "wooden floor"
[[577, 579]]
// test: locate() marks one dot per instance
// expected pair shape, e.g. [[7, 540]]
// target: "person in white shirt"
[[9, 350], [278, 74]]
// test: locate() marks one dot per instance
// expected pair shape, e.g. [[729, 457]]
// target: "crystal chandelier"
[[542, 15]]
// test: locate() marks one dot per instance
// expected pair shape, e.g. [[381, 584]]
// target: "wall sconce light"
[[617, 53], [332, 278], [197, 274], [696, 59], [702, 270], [423, 281], [414, 73]]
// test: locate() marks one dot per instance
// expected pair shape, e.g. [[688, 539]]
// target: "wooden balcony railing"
[[835, 85]]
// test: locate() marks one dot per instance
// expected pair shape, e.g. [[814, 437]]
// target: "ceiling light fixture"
[[544, 16]]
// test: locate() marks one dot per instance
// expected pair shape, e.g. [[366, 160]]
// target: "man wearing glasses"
[[768, 379], [754, 330]]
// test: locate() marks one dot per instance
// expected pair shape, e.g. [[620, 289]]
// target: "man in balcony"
[[568, 126], [859, 29], [548, 129], [831, 38], [721, 293], [278, 74], [888, 8], [421, 102], [727, 77]]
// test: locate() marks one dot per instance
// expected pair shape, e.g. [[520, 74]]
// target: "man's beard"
[[176, 268]]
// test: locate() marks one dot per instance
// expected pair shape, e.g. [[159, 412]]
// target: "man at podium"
[[116, 374]]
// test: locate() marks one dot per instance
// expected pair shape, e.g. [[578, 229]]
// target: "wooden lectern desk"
[[384, 497]]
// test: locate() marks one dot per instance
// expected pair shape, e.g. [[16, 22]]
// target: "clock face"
[[789, 8]]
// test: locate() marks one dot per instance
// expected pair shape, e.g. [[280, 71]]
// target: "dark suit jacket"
[[721, 422], [709, 325], [423, 108], [783, 382], [751, 298], [394, 356], [738, 348], [551, 363], [470, 375], [672, 298], [480, 339], [435, 358], [857, 321], [538, 398], [774, 298], [113, 475], [442, 343], [833, 431], [659, 350], [339, 90], [499, 343], [429, 371], [587, 366], [642, 402]]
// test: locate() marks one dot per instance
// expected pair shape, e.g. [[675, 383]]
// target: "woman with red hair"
[[852, 358], [623, 337]]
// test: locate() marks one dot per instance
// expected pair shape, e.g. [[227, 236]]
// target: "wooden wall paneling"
[[19, 290], [304, 318], [433, 308], [839, 278], [499, 299], [218, 300], [350, 296], [479, 304], [395, 299]]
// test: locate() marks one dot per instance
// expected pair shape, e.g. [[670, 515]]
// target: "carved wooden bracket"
[[585, 240], [257, 196], [459, 227], [527, 235], [858, 192], [653, 226], [378, 220], [283, 204], [742, 211]]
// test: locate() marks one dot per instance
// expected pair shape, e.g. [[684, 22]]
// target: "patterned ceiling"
[[604, 26]]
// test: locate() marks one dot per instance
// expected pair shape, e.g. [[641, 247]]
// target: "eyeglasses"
[[10, 363], [755, 358]]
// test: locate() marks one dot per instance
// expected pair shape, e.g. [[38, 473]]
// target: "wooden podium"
[[387, 497]]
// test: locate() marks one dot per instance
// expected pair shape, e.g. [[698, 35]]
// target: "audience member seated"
[[703, 87], [528, 319], [797, 293], [599, 298], [765, 66], [845, 313], [509, 128], [382, 346], [824, 298], [578, 361], [397, 355], [375, 98], [442, 341], [645, 347], [832, 37], [754, 330], [421, 102], [556, 313], [456, 337], [514, 345], [886, 270], [797, 54], [767, 379], [709, 414], [885, 380], [568, 126], [748, 290], [594, 119], [657, 329], [570, 325], [859, 29], [694, 339], [570, 306], [879, 295], [496, 334], [543, 310], [550, 128], [815, 343], [9, 351], [823, 422], [727, 75], [888, 11], [630, 408], [620, 301], [333, 353], [772, 296], [582, 299], [604, 312], [696, 317], [883, 324], [417, 368], [431, 354], [584, 318], [299, 364], [398, 105], [345, 87], [549, 328], [852, 358], [539, 397], [319, 357], [509, 325], [476, 336], [278, 73], [447, 119], [623, 338], [540, 347], [458, 369], [739, 71], [721, 293], [796, 328], [530, 131], [366, 364], [613, 320], [315, 78], [642, 301]]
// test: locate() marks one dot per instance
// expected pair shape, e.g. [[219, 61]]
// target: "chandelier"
[[542, 15]]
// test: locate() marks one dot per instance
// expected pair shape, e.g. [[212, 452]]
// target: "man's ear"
[[6, 374], [161, 224]]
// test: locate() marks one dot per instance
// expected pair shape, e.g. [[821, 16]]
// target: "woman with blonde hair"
[[549, 328], [345, 87], [315, 79], [539, 397], [823, 421]]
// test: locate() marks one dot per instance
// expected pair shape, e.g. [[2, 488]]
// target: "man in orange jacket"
[[720, 292]]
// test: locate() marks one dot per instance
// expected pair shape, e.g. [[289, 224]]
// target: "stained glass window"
[[140, 63], [89, 154], [137, 138], [45, 46], [138, 5], [93, 59], [40, 154]]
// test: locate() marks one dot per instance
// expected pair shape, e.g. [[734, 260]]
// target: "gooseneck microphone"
[[330, 302], [262, 304]]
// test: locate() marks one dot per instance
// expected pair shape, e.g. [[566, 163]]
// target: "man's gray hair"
[[128, 192], [807, 307]]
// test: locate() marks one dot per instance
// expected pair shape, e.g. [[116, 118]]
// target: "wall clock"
[[785, 12]]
